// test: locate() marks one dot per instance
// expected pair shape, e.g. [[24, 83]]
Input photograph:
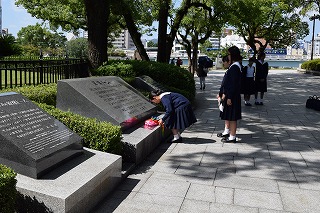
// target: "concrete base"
[[78, 185], [140, 142]]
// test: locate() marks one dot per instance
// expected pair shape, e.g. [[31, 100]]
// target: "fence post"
[[66, 70], [41, 71]]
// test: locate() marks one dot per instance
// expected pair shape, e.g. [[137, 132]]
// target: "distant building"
[[230, 39], [123, 41]]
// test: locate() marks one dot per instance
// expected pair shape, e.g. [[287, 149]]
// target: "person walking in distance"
[[262, 70], [179, 62], [202, 74]]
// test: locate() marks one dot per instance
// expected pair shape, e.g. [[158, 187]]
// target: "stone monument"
[[147, 83], [106, 98], [32, 141]]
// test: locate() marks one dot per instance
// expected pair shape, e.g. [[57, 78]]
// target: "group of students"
[[239, 80]]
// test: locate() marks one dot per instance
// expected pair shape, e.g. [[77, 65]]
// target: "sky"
[[14, 18]]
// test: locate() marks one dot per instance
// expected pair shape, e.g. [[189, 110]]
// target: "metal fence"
[[33, 72]]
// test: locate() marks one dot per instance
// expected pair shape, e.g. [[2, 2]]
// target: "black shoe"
[[226, 140], [247, 104], [204, 87], [256, 103], [200, 88], [220, 135], [261, 103]]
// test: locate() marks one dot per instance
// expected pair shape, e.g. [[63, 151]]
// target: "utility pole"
[[313, 18]]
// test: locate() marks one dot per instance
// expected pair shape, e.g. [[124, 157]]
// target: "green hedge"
[[102, 136], [175, 78], [8, 191], [43, 93], [311, 65]]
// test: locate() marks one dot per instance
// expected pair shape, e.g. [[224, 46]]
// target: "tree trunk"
[[133, 30], [162, 32], [98, 12]]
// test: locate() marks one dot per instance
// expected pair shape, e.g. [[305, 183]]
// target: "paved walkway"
[[275, 166]]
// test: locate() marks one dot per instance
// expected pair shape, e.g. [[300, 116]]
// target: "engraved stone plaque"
[[106, 98], [32, 141], [147, 83]]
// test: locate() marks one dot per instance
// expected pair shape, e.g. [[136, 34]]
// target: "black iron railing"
[[15, 73]]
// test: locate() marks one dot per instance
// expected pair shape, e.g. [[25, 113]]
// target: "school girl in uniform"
[[231, 97], [247, 85], [179, 114], [262, 70]]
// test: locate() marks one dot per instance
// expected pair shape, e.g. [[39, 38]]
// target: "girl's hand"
[[160, 122], [229, 103]]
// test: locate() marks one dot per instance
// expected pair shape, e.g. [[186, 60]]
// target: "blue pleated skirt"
[[182, 118]]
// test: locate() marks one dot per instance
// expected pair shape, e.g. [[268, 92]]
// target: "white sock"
[[232, 137], [226, 131], [176, 137]]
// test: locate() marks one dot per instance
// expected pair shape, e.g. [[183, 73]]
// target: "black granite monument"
[[147, 83], [106, 98], [32, 141]]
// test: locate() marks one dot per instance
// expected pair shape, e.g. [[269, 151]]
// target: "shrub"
[[176, 78], [43, 93], [98, 135], [8, 191], [311, 65]]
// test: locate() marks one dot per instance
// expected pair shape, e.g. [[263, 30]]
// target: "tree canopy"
[[268, 22]]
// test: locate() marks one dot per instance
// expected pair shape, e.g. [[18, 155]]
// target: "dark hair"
[[225, 58], [154, 93], [235, 54], [261, 54], [251, 59]]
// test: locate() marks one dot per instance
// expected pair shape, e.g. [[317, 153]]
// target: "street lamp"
[[313, 18]]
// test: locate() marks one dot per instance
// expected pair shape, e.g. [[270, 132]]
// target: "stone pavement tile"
[[296, 147], [196, 171], [183, 148], [240, 182], [254, 152], [258, 199], [201, 192], [286, 155], [307, 177], [271, 211], [272, 163], [172, 201], [243, 161], [224, 195], [312, 159], [157, 154], [272, 173], [134, 181], [216, 160], [160, 166], [179, 158], [300, 200], [288, 184], [221, 151], [224, 208], [165, 187], [189, 179], [129, 206], [192, 206]]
